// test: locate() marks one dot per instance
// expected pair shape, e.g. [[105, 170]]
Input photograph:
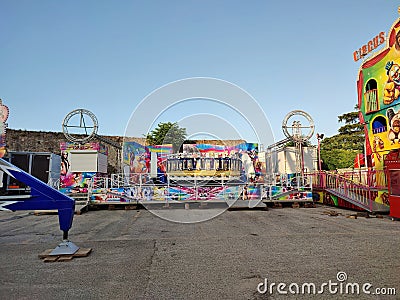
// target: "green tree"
[[167, 133], [340, 150]]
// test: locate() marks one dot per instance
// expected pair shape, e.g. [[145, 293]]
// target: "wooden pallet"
[[296, 205], [130, 207], [331, 213], [45, 255]]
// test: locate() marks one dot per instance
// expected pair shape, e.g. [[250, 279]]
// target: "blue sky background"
[[106, 56]]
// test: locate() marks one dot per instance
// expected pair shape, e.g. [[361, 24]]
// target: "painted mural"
[[206, 150], [282, 193], [137, 158], [200, 193], [181, 193], [379, 99], [110, 195], [76, 182]]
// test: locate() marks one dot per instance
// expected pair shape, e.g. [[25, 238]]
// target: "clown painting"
[[392, 86]]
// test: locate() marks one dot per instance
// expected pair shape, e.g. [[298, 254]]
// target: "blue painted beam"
[[42, 197]]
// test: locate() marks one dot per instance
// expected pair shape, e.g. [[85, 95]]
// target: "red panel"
[[360, 84], [392, 163], [394, 206], [392, 38], [375, 59]]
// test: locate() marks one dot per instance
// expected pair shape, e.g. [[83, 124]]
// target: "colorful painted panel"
[[251, 192], [282, 193], [136, 158], [220, 193], [164, 193], [379, 98], [67, 146], [204, 148], [75, 182], [221, 149], [137, 161], [161, 150], [113, 195]]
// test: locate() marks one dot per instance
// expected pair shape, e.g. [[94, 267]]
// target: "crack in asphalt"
[[151, 261]]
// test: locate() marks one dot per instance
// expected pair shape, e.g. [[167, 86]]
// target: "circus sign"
[[370, 46]]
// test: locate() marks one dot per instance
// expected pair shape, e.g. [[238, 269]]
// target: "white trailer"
[[283, 160]]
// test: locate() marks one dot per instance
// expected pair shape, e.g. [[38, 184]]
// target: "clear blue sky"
[[106, 56]]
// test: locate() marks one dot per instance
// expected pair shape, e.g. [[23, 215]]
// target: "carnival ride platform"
[[195, 192]]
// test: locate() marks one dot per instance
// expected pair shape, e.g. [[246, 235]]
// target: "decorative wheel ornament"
[[293, 128], [80, 126], [3, 118]]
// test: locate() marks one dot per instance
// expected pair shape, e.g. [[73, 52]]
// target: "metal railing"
[[351, 189], [141, 187], [367, 176]]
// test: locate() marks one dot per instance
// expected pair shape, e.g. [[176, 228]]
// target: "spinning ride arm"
[[41, 197]]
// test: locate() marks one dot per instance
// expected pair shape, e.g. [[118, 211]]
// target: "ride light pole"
[[320, 136]]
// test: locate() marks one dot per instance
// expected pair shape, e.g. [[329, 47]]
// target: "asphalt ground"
[[137, 255]]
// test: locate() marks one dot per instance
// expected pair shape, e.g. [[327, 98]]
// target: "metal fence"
[[140, 187]]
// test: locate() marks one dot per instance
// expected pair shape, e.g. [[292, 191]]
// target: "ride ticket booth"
[[392, 164]]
